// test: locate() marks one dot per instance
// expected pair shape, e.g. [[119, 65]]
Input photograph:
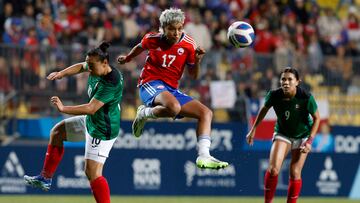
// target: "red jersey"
[[165, 62]]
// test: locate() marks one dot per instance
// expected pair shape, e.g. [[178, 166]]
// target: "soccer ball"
[[241, 34]]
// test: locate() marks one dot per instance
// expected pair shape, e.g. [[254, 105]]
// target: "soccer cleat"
[[38, 182], [209, 162], [139, 122]]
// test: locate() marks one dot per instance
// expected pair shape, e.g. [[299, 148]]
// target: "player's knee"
[[273, 171], [57, 133], [207, 114], [90, 173], [295, 173], [174, 108]]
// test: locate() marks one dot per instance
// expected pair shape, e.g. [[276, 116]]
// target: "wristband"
[[127, 59], [86, 67], [310, 140]]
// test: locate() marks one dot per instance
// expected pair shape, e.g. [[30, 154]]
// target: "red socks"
[[53, 157], [270, 183], [294, 190], [100, 189]]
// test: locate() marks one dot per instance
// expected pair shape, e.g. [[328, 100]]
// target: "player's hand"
[[54, 76], [305, 148], [122, 59], [57, 102], [199, 53], [250, 137]]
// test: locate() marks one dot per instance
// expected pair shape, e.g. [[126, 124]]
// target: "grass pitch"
[[158, 199]]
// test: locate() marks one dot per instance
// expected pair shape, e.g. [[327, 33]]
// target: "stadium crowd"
[[320, 38]]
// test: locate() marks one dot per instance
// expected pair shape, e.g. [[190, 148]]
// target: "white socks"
[[204, 142], [147, 112]]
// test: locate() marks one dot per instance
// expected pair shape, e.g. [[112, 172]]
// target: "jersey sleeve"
[[269, 99], [85, 66], [312, 106], [190, 61], [105, 92], [146, 42]]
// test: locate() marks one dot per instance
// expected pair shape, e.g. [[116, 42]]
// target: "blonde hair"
[[171, 15]]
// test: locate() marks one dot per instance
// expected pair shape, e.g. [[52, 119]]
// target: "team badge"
[[180, 51], [160, 87], [297, 106]]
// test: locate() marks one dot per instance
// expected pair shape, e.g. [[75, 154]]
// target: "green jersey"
[[105, 123], [293, 116]]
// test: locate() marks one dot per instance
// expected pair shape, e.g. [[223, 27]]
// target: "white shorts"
[[95, 149], [295, 143]]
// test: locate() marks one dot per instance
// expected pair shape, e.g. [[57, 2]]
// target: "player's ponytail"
[[100, 51], [104, 46]]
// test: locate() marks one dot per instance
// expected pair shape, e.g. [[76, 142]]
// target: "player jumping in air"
[[297, 123], [97, 123], [168, 53]]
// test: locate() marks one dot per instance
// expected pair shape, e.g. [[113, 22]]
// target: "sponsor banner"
[[179, 136], [167, 167], [347, 139], [11, 175]]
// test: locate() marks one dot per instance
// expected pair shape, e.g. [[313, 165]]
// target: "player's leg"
[[98, 183], [54, 154], [295, 182], [159, 102], [71, 129], [279, 150], [96, 153], [195, 109]]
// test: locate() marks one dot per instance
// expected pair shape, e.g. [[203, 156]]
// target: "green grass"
[[157, 199]]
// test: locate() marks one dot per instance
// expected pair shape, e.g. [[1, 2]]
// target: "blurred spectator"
[[268, 81], [199, 31], [28, 18], [45, 28], [300, 11], [118, 29], [353, 24], [95, 27], [324, 140], [220, 30], [284, 51], [6, 13], [13, 31], [131, 31], [239, 112], [315, 56], [329, 27]]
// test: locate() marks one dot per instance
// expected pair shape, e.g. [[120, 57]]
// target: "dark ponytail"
[[100, 51], [104, 46]]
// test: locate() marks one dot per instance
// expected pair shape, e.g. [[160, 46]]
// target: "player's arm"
[[314, 112], [306, 147], [71, 70], [195, 69], [135, 51], [260, 116], [84, 109], [315, 126]]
